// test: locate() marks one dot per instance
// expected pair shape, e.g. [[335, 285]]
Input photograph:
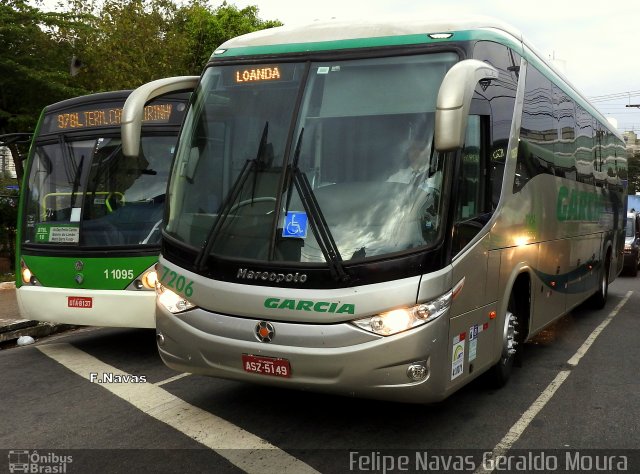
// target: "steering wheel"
[[248, 202]]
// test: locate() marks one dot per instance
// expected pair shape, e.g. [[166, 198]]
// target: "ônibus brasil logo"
[[23, 460]]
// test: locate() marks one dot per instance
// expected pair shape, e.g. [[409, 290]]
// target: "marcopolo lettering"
[[246, 274], [315, 306]]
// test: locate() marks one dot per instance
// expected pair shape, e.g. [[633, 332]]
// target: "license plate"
[[266, 365], [79, 302]]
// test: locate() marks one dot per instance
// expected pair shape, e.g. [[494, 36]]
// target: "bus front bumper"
[[336, 358], [112, 308]]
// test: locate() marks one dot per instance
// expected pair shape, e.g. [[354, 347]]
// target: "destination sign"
[[110, 117], [256, 73]]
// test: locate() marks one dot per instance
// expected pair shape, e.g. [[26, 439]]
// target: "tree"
[[117, 44], [8, 219], [122, 43], [125, 43], [198, 31], [33, 66], [633, 170]]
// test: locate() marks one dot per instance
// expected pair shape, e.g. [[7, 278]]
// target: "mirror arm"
[[454, 101], [133, 111]]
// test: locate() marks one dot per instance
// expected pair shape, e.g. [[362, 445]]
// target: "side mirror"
[[133, 111], [454, 100]]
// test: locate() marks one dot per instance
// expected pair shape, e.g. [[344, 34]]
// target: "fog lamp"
[[417, 372]]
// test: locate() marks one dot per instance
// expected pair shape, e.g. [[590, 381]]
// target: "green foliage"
[[33, 65], [198, 30], [8, 219], [121, 44], [125, 43]]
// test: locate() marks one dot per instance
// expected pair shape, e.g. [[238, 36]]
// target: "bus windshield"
[[84, 192], [284, 161]]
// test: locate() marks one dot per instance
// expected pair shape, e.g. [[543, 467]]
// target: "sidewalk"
[[12, 325]]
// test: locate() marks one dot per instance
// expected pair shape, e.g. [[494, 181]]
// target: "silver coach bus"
[[382, 210]]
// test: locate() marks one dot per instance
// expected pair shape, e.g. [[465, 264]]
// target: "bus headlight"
[[398, 320], [149, 279], [146, 281], [172, 302], [28, 278]]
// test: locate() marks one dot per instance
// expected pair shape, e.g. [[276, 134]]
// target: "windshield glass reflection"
[[366, 153]]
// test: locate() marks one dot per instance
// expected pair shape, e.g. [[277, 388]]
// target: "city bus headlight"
[[172, 302], [398, 320], [146, 281], [28, 278]]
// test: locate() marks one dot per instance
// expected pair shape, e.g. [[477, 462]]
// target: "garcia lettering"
[[314, 306]]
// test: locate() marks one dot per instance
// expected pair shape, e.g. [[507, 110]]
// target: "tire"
[[500, 373], [599, 299]]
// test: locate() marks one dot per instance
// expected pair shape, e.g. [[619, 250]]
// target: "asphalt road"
[[571, 405]]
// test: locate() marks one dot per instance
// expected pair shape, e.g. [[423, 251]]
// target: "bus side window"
[[472, 202]]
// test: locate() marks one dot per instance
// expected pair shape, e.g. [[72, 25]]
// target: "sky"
[[594, 42]]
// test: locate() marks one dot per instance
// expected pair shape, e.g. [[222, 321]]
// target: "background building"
[[7, 166]]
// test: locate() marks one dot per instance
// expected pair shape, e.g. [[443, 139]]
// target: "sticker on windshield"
[[295, 225], [76, 212], [67, 234]]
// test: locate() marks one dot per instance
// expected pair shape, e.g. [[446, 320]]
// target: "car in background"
[[632, 243]]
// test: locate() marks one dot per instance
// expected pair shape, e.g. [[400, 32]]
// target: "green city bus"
[[89, 218]]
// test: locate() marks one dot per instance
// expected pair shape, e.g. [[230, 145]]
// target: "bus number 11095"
[[118, 274]]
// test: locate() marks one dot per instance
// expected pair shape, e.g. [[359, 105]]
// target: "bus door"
[[475, 265]]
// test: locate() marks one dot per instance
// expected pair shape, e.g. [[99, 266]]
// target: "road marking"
[[245, 450], [527, 417], [172, 379]]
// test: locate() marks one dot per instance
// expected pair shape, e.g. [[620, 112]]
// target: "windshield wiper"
[[103, 162], [225, 209], [259, 162], [78, 170], [250, 166], [318, 223]]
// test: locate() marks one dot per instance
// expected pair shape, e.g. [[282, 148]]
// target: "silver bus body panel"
[[375, 368], [527, 234], [284, 304]]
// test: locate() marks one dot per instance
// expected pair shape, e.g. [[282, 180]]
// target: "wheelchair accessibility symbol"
[[295, 225]]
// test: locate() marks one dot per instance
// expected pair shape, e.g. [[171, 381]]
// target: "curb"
[[35, 329], [8, 285]]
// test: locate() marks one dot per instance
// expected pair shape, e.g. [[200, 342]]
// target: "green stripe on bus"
[[108, 273]]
